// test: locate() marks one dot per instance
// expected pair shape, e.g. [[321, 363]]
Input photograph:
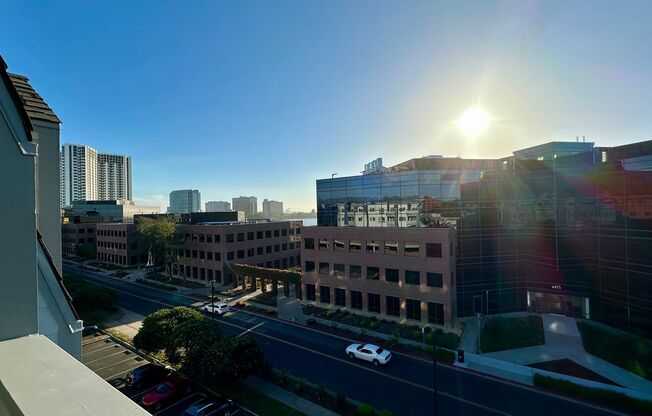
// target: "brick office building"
[[74, 235], [117, 244], [400, 273], [207, 248]]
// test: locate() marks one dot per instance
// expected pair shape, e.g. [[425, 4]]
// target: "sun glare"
[[473, 121]]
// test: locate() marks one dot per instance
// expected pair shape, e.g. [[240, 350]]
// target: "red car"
[[173, 388]]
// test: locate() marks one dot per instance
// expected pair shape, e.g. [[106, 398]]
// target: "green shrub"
[[364, 323], [373, 325], [442, 354], [301, 385], [365, 410], [416, 335], [502, 333], [311, 321], [322, 392], [605, 397], [385, 413], [283, 376]]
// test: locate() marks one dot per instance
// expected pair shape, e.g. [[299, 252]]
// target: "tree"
[[86, 250], [192, 335], [158, 330], [223, 359], [160, 236]]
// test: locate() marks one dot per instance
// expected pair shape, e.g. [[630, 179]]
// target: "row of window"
[[391, 248], [249, 236], [410, 277], [113, 245], [392, 303], [77, 241], [111, 233], [204, 274], [231, 255], [76, 230]]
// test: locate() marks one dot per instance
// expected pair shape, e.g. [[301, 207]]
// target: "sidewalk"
[[288, 398], [127, 323], [289, 307], [563, 340]]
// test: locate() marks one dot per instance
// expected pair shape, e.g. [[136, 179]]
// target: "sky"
[[264, 97]]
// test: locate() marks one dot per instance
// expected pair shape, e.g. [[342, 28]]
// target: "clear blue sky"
[[263, 97]]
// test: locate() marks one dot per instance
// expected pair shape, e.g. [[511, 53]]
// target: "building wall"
[[209, 247], [338, 246], [217, 206], [185, 201], [73, 235], [47, 183], [118, 210], [114, 176], [18, 312], [272, 209], [78, 173], [117, 243]]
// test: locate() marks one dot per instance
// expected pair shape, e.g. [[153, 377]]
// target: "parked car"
[[146, 375], [227, 408], [219, 308], [369, 352], [172, 389]]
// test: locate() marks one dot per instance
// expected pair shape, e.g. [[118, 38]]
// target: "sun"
[[473, 121]]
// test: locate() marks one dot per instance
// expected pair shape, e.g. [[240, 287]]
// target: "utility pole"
[[434, 367], [213, 299]]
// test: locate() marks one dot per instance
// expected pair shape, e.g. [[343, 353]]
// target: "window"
[[194, 254], [210, 274], [391, 275], [229, 255], [436, 313], [324, 294], [268, 249], [284, 247], [209, 239], [391, 248], [356, 299], [373, 302], [201, 238], [355, 246], [373, 273], [412, 277], [218, 276], [202, 273], [241, 254], [433, 250], [324, 268], [240, 237], [338, 245], [202, 255], [435, 279], [323, 244], [339, 270], [259, 235], [309, 266], [340, 297], [355, 272], [217, 240], [268, 234], [277, 233], [250, 252], [229, 238], [413, 309], [393, 306], [284, 232], [250, 235], [209, 255], [277, 248], [218, 256], [310, 292], [411, 249], [373, 246], [260, 250], [309, 243]]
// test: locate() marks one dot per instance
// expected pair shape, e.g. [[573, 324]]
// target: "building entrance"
[[541, 302]]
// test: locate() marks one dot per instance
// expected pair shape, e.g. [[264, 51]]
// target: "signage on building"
[[556, 287]]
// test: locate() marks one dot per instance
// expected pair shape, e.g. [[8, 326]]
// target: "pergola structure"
[[252, 276]]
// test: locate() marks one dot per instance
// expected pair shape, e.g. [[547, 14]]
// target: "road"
[[405, 386]]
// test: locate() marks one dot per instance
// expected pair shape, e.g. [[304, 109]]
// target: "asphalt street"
[[404, 386]]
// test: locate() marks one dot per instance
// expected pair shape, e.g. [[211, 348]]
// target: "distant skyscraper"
[[217, 206], [78, 176], [113, 177], [185, 201], [272, 209], [247, 204], [86, 175]]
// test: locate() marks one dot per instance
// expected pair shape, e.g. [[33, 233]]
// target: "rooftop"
[[34, 104]]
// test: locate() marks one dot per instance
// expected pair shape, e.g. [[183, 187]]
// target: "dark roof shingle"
[[34, 104]]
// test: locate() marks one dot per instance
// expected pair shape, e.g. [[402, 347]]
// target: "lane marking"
[[109, 366], [124, 371], [106, 356], [250, 329], [485, 376]]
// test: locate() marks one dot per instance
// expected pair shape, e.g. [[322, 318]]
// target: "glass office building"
[[568, 234]]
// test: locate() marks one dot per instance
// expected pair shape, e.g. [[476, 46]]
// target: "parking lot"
[[111, 361]]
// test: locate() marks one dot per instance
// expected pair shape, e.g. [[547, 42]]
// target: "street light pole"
[[213, 299], [434, 368]]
